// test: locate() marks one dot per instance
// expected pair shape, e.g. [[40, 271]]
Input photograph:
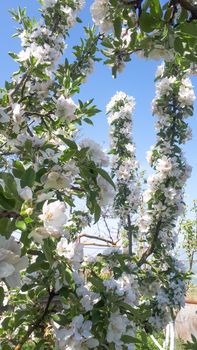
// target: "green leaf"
[[117, 26], [107, 43], [48, 249], [60, 319], [189, 29], [7, 226], [88, 121], [68, 142], [97, 213], [64, 292], [21, 225], [69, 200], [6, 203], [128, 307], [10, 184], [1, 295], [106, 176], [127, 339], [6, 347], [13, 55], [147, 22], [38, 266], [168, 14], [28, 178], [18, 169], [155, 8], [40, 173], [98, 283], [178, 45]]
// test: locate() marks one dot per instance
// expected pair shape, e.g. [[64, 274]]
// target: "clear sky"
[[137, 80]]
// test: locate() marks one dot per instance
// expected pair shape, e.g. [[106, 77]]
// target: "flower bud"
[[26, 193]]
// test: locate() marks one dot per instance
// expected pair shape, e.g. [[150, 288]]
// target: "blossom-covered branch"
[[124, 164]]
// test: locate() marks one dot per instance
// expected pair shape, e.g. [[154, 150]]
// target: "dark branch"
[[9, 214], [152, 246], [97, 238], [37, 323]]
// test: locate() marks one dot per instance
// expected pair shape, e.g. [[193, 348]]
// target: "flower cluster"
[[45, 44], [163, 199], [164, 195], [100, 10], [77, 337], [38, 119], [124, 164], [95, 152], [99, 157]]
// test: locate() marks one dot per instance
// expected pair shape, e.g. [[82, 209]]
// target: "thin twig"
[[39, 114], [97, 238], [20, 84], [107, 227], [98, 244], [130, 235]]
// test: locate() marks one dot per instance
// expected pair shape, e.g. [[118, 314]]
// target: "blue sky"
[[137, 80]]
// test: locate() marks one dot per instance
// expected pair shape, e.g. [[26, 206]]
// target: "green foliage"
[[189, 230], [191, 345]]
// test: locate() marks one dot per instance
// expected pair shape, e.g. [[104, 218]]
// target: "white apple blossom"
[[76, 337], [164, 86], [54, 217], [11, 261], [88, 298], [49, 3], [66, 108], [119, 326], [160, 70], [186, 93], [39, 234], [49, 154], [95, 152], [57, 181], [72, 251], [107, 193]]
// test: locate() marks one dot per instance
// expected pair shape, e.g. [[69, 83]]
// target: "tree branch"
[[152, 246], [130, 235], [9, 214], [97, 238], [37, 323], [186, 4], [107, 227], [20, 84]]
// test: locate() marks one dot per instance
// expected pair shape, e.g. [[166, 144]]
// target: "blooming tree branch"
[[124, 164]]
